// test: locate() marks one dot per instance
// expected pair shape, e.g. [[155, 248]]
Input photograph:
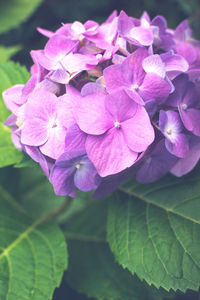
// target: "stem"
[[60, 209]]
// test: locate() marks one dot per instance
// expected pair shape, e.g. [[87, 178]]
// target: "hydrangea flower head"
[[110, 101]]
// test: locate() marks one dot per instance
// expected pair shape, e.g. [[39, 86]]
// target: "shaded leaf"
[[8, 153], [8, 52], [14, 12], [154, 230], [92, 268], [33, 254]]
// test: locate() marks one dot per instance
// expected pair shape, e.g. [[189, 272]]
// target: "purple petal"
[[62, 173], [134, 95], [41, 59], [109, 152], [45, 32], [180, 147], [132, 69], [159, 162], [58, 46], [190, 119], [63, 181], [186, 50], [34, 132], [120, 106], [75, 139], [55, 144], [160, 22], [114, 79], [13, 98], [97, 122], [143, 36], [78, 62], [154, 87], [183, 31], [154, 64], [175, 63], [135, 136], [60, 76], [125, 23], [86, 177], [186, 164], [92, 88]]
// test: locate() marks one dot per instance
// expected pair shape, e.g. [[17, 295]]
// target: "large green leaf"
[[154, 230], [92, 268], [33, 253], [8, 153], [7, 52], [14, 12]]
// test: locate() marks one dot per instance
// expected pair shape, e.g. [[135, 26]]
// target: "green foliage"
[[92, 268], [8, 153], [154, 230], [14, 12], [33, 253], [7, 52]]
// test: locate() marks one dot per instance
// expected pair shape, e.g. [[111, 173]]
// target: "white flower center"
[[77, 166], [117, 125], [53, 123], [184, 106], [19, 123], [135, 87], [168, 131]]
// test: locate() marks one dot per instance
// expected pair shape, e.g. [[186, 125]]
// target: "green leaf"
[[92, 268], [8, 52], [8, 153], [34, 192], [33, 253], [10, 74], [154, 230], [14, 12]]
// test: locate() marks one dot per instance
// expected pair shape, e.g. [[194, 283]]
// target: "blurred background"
[[50, 14]]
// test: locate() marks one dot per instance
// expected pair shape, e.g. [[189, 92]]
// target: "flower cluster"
[[106, 102]]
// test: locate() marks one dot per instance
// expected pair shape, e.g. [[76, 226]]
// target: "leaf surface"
[[33, 253], [92, 268], [154, 231]]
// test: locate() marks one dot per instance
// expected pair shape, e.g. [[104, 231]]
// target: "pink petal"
[[75, 139], [55, 144], [154, 87], [120, 106], [154, 64], [91, 115], [13, 97], [138, 131], [109, 152], [142, 35], [186, 50], [78, 62], [45, 32], [34, 132], [58, 46], [132, 69], [114, 79]]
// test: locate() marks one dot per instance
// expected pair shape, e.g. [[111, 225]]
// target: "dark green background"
[[52, 13]]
